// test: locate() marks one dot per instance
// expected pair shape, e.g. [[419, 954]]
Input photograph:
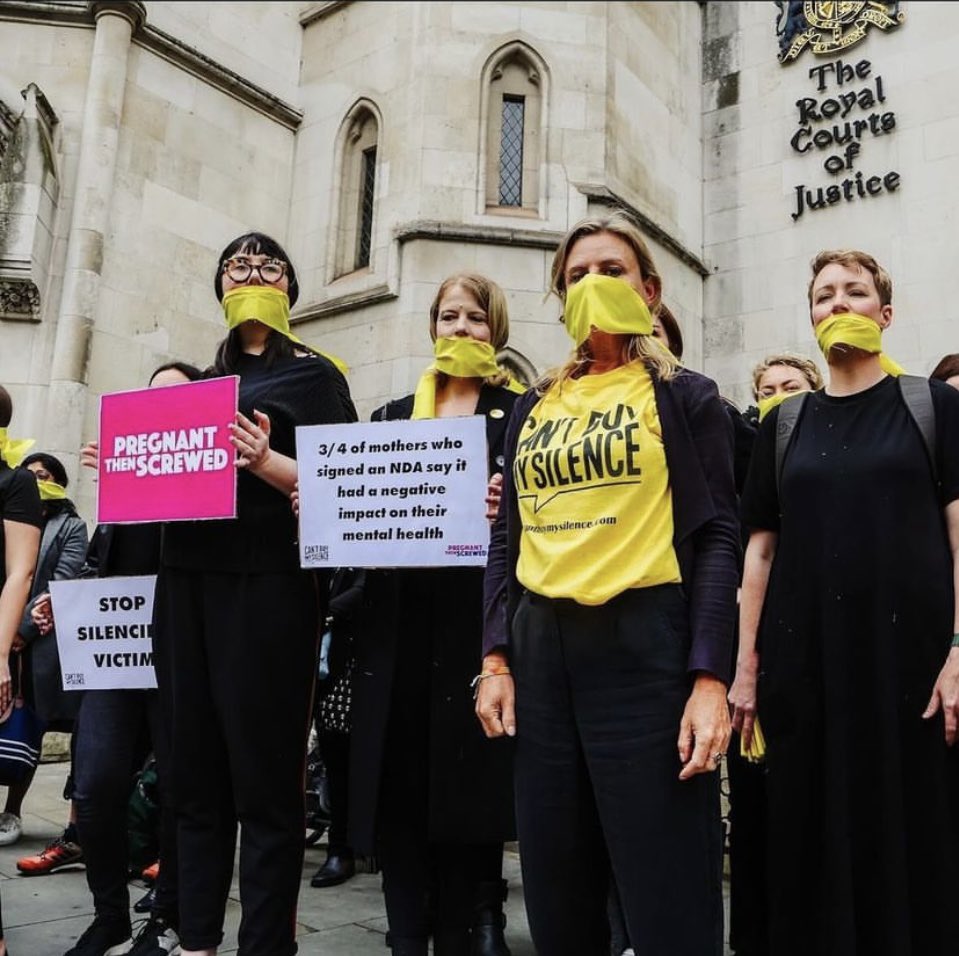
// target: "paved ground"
[[43, 916]]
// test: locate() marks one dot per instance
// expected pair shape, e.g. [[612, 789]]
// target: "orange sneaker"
[[55, 856], [151, 872]]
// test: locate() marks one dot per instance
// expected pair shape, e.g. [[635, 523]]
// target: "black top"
[[134, 549], [19, 501], [298, 391], [857, 621]]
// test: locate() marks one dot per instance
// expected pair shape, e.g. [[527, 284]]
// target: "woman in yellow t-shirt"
[[609, 601]]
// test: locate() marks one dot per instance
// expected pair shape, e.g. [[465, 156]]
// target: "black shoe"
[[145, 903], [408, 947], [156, 938], [451, 943], [489, 920], [337, 869], [103, 937]]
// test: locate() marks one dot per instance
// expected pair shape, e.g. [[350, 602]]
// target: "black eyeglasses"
[[240, 270]]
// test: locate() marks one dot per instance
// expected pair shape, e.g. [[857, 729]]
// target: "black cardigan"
[[698, 440]]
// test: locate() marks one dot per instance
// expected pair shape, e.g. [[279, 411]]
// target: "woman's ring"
[[717, 759]]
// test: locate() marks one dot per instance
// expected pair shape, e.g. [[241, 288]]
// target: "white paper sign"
[[393, 494], [105, 632]]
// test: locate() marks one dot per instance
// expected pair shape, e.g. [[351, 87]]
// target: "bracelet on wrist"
[[955, 640], [479, 678]]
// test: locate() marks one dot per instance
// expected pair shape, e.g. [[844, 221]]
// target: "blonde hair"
[[806, 367], [645, 348], [491, 299], [852, 258]]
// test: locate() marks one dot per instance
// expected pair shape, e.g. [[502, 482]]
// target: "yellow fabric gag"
[[607, 303], [858, 331], [50, 490], [456, 357], [14, 450], [756, 751], [269, 306], [766, 405]]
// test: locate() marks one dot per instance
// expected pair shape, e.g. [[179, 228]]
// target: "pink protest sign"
[[165, 453]]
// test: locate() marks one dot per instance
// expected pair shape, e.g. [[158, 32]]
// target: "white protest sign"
[[105, 632], [393, 494]]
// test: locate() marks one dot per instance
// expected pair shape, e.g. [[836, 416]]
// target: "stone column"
[[102, 112]]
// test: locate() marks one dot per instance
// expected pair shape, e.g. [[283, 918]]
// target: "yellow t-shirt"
[[593, 488]]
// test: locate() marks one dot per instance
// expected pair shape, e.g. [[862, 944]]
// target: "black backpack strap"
[[917, 395], [789, 412]]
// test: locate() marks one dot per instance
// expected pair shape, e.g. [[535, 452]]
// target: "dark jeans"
[[600, 693], [236, 657], [109, 749]]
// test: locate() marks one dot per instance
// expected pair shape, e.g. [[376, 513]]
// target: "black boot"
[[452, 943], [412, 946], [489, 920]]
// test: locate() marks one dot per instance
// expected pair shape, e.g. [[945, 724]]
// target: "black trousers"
[[600, 693], [109, 748], [235, 658], [748, 906]]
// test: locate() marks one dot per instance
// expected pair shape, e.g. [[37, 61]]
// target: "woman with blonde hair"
[[610, 594], [428, 794]]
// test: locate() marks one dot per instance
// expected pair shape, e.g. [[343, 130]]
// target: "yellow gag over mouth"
[[50, 490], [457, 357], [856, 331], [269, 306], [608, 304]]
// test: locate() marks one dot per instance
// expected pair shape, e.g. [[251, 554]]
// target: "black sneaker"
[[103, 937], [156, 938]]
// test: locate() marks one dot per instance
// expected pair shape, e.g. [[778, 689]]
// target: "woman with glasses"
[[236, 626]]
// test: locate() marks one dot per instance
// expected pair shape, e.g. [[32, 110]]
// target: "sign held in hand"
[[104, 632], [393, 494], [165, 453]]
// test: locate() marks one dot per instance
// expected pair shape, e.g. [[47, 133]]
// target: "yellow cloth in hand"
[[609, 304], [14, 450], [756, 751], [860, 332]]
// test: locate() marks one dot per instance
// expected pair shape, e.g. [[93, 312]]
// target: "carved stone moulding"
[[20, 300]]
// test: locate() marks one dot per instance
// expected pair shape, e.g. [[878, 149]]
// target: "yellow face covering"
[[457, 357], [50, 490], [766, 405], [14, 450], [607, 303], [860, 332], [269, 306]]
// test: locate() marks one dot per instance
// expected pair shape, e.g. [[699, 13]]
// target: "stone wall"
[[755, 299]]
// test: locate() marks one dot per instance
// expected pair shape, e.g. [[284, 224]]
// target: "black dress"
[[863, 793], [418, 644]]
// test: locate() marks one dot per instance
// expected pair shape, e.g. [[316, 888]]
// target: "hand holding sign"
[[251, 440], [165, 454]]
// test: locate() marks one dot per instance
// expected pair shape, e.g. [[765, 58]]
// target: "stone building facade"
[[388, 144]]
